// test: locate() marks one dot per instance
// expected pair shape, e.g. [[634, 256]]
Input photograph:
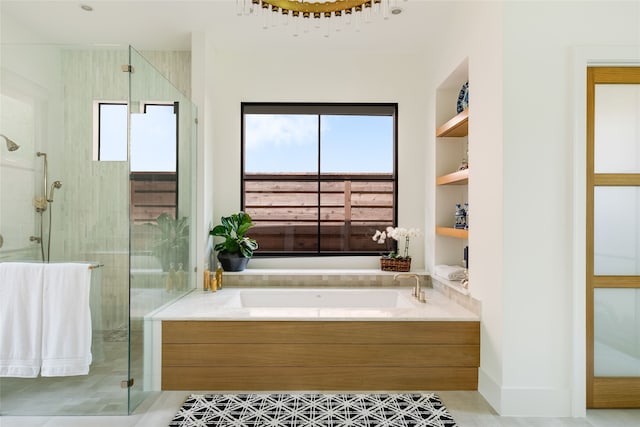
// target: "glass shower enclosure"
[[109, 144]]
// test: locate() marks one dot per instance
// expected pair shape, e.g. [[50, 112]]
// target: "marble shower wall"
[[91, 221]]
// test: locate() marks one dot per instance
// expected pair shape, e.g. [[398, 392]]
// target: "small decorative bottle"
[[206, 279], [180, 277], [213, 284], [171, 278], [219, 276]]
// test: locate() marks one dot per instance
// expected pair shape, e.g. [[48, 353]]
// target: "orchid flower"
[[398, 234], [379, 237]]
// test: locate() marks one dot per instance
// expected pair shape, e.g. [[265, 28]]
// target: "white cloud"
[[278, 130]]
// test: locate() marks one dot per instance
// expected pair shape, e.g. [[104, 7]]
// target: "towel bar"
[[94, 266]]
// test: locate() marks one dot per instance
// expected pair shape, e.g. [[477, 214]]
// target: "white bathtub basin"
[[323, 298]]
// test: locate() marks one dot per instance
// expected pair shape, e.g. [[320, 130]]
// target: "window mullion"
[[319, 185]]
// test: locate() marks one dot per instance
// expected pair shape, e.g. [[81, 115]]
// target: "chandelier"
[[306, 13]]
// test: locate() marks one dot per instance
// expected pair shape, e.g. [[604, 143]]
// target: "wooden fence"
[[290, 213], [152, 193]]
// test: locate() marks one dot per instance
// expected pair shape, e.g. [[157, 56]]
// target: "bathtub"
[[309, 304], [313, 339], [322, 298]]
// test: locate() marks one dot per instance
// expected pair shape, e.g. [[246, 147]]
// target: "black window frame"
[[388, 109]]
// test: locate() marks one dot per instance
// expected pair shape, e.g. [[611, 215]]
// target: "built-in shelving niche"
[[452, 129]]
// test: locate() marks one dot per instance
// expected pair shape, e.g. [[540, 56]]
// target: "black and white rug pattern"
[[313, 410]]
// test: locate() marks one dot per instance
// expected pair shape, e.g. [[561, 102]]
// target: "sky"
[[273, 143], [289, 143], [153, 137]]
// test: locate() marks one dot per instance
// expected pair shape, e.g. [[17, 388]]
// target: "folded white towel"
[[66, 317], [449, 272], [21, 287]]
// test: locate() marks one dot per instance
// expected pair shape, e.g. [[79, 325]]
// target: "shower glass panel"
[[162, 181], [46, 97], [104, 212]]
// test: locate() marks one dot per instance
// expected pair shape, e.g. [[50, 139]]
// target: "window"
[[154, 139], [154, 162], [319, 179], [154, 150], [112, 131]]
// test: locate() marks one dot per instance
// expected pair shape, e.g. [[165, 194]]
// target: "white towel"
[[449, 272], [21, 287], [66, 320]]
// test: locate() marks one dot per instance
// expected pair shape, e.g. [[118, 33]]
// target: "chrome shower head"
[[56, 184], [11, 145]]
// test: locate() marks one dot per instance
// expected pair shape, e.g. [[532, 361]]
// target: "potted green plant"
[[171, 245], [237, 248]]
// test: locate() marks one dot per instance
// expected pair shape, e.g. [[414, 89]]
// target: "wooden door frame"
[[604, 392]]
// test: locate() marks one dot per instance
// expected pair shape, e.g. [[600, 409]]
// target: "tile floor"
[[96, 393], [468, 408]]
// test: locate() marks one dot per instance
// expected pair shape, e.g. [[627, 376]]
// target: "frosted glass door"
[[617, 128], [617, 231], [617, 332], [613, 237]]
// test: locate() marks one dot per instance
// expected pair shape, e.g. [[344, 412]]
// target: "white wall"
[[342, 76], [523, 119], [522, 109], [538, 111], [480, 42]]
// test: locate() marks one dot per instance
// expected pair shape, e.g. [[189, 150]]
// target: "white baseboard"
[[536, 402], [525, 402], [490, 390]]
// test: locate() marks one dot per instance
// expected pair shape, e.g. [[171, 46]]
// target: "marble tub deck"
[[221, 305]]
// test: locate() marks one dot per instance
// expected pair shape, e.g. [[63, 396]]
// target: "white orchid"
[[380, 236], [397, 234]]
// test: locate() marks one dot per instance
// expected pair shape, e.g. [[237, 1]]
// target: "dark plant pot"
[[232, 262]]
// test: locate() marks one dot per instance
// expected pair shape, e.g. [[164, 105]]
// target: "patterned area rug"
[[313, 410]]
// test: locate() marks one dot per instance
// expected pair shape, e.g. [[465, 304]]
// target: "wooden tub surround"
[[320, 355]]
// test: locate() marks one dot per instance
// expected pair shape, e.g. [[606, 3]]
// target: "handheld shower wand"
[[41, 204], [56, 184]]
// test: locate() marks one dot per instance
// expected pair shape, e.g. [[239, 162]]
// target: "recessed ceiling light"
[[395, 10], [86, 8]]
